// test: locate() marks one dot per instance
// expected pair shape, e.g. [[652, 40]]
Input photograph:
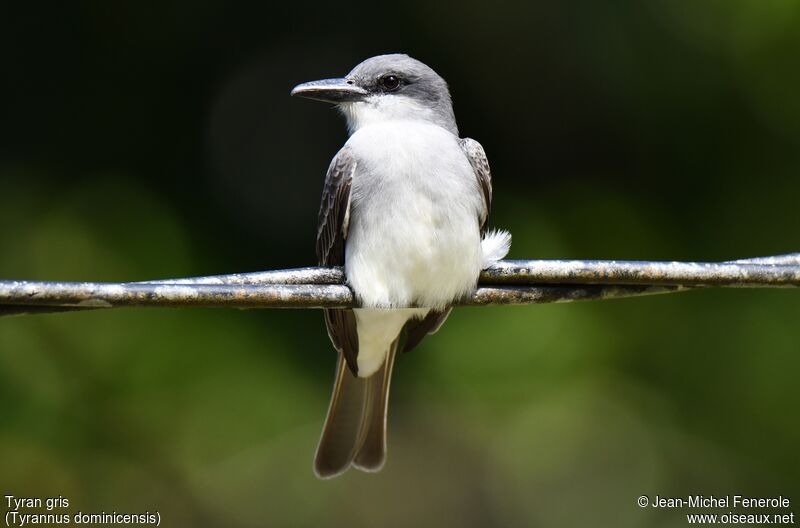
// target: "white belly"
[[413, 236]]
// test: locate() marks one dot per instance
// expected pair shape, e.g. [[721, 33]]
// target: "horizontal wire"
[[507, 282]]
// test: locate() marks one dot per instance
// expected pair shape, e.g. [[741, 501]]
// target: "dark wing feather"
[[334, 209], [477, 158], [417, 329], [334, 213]]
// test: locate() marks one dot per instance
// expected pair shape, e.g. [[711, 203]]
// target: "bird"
[[404, 210]]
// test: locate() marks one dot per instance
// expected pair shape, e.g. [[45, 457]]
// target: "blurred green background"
[[146, 141]]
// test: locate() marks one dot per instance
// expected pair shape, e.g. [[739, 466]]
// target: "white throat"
[[377, 109]]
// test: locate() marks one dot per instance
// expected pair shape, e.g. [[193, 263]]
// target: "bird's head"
[[384, 88]]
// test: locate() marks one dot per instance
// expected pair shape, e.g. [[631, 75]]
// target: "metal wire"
[[508, 282]]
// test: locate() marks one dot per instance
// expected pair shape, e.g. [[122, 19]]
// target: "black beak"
[[330, 91]]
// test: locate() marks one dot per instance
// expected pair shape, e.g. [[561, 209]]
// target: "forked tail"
[[355, 429]]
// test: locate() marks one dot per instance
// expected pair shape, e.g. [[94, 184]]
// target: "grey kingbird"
[[404, 210]]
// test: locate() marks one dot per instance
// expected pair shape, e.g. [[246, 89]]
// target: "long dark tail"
[[355, 430]]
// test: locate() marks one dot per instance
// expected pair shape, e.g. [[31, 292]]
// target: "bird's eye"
[[390, 82]]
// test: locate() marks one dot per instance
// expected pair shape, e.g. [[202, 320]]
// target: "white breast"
[[413, 234]]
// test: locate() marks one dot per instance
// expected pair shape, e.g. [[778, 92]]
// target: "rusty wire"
[[508, 282]]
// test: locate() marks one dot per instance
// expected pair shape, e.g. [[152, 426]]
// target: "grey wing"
[[334, 215], [334, 210], [417, 329], [477, 158]]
